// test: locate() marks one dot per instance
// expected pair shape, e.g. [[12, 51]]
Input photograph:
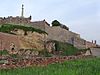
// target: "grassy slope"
[[7, 28], [66, 48], [76, 67], [63, 49]]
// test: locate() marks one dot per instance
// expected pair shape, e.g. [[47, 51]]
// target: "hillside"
[[29, 38]]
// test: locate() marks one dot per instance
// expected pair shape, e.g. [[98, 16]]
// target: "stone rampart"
[[9, 41], [14, 20]]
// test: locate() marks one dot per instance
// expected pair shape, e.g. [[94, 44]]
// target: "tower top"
[[22, 12], [22, 5]]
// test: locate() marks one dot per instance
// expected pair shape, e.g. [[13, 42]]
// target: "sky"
[[81, 16]]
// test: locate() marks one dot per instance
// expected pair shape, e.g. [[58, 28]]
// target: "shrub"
[[65, 48], [55, 23], [4, 52]]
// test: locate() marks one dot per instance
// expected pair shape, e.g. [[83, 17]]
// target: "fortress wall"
[[14, 20], [90, 44], [54, 33], [95, 52], [6, 40], [43, 25], [38, 25], [80, 43], [60, 34]]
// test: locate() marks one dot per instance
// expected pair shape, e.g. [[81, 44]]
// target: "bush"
[[55, 23], [65, 48], [4, 52]]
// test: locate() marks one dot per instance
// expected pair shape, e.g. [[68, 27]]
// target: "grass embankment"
[[66, 49], [61, 49], [7, 28], [89, 66], [4, 52]]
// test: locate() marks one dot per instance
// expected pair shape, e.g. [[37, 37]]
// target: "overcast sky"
[[81, 16]]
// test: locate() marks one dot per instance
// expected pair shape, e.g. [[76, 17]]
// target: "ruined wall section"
[[63, 35], [19, 41], [60, 34], [54, 33], [7, 41], [14, 20], [43, 25], [90, 44], [79, 43]]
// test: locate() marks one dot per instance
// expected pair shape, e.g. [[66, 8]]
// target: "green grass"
[[61, 49], [7, 28], [4, 52], [90, 66], [66, 48]]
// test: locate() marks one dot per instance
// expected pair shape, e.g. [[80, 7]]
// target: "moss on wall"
[[65, 48], [7, 28]]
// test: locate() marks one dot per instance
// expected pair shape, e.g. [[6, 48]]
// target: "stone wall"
[[63, 35], [37, 61], [8, 42], [90, 44], [95, 52], [14, 20], [43, 25], [60, 34], [20, 41], [54, 33], [79, 43]]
